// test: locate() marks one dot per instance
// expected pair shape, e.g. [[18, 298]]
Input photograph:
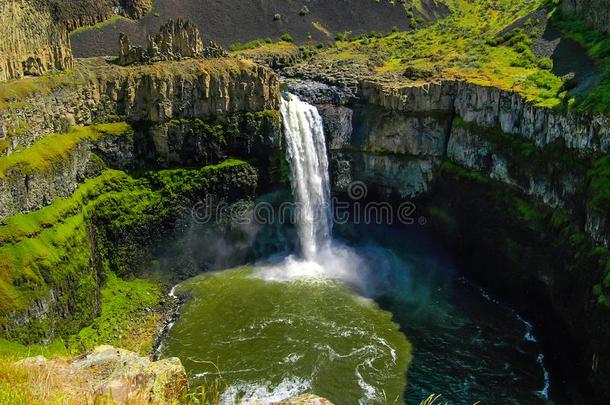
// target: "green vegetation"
[[110, 21], [472, 44], [462, 45], [15, 350], [129, 317], [23, 386], [20, 89], [598, 46], [287, 37], [51, 149], [525, 155], [599, 186], [55, 246], [523, 232], [250, 45]]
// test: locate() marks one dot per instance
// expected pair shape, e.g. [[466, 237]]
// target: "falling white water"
[[321, 258], [306, 147]]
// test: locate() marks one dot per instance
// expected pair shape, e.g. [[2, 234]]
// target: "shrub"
[[287, 38], [545, 63]]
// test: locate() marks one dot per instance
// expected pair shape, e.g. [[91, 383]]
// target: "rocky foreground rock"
[[109, 373], [113, 375]]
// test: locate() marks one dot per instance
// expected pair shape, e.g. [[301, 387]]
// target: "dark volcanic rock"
[[319, 93]]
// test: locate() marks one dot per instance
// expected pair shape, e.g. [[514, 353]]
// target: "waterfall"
[[321, 257], [306, 152]]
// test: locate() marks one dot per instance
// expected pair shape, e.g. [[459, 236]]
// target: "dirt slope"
[[230, 21]]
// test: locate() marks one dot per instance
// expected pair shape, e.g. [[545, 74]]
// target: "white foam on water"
[[292, 358], [264, 393], [371, 395], [544, 392], [528, 336], [333, 262]]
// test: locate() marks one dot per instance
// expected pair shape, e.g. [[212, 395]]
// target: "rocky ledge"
[[109, 373]]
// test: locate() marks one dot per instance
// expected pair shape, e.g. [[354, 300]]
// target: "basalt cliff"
[[503, 181], [35, 33]]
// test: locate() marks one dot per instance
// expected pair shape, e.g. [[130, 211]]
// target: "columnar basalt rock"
[[176, 40], [32, 42], [490, 107], [101, 92], [35, 32], [81, 13]]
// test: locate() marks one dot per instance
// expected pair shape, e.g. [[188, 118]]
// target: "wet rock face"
[[319, 93], [386, 132], [176, 40], [385, 175]]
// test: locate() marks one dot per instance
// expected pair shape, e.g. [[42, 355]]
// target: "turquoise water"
[[272, 339], [466, 345]]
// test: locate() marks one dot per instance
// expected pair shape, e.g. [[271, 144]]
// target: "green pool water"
[[270, 340]]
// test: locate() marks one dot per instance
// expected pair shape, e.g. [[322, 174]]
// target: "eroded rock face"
[[176, 40], [386, 175], [32, 42], [319, 93], [81, 13], [469, 147], [35, 32], [24, 192], [186, 89], [119, 375], [490, 107], [426, 140]]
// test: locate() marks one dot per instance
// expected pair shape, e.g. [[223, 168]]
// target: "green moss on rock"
[[46, 152], [53, 261], [599, 186]]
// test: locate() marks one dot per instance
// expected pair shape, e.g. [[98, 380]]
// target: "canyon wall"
[[35, 33], [180, 112], [518, 191], [32, 42], [97, 91], [479, 128], [67, 142]]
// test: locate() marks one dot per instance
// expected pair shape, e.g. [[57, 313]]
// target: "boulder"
[[124, 377]]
